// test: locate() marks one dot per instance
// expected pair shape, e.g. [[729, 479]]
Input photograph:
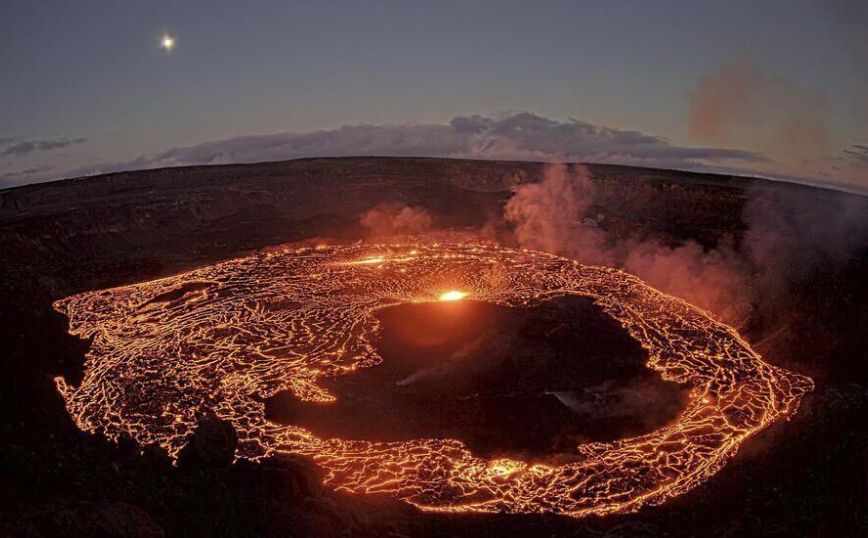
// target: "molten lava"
[[224, 338], [453, 295]]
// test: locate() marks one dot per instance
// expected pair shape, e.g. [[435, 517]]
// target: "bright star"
[[167, 42]]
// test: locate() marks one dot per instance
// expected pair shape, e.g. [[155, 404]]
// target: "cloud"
[[741, 101], [517, 136], [523, 136], [31, 171], [528, 136], [857, 154], [25, 147]]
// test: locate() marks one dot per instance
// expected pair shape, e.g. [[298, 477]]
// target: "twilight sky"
[[776, 88]]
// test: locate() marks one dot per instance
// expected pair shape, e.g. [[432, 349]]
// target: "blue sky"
[[86, 87]]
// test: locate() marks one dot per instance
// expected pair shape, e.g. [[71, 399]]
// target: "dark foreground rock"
[[82, 519], [213, 445]]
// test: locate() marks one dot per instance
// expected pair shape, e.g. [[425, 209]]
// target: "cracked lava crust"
[[225, 338]]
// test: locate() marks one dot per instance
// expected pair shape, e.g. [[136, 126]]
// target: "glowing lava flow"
[[223, 338], [453, 295]]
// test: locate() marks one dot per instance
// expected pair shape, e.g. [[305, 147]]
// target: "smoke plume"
[[792, 233], [548, 215], [741, 101], [556, 215], [391, 219], [714, 279]]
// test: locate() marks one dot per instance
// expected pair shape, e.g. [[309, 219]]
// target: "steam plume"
[[391, 219], [547, 215], [741, 101], [791, 233]]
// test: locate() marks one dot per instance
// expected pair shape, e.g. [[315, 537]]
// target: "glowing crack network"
[[223, 338]]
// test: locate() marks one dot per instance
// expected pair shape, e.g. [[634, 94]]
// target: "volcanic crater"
[[435, 335], [528, 382]]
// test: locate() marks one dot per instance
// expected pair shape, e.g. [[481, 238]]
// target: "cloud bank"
[[16, 148], [857, 154], [517, 136]]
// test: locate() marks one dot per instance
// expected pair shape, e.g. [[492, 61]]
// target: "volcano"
[[175, 243]]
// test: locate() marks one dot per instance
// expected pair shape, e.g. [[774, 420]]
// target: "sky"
[[772, 88]]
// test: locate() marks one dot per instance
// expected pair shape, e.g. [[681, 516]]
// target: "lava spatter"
[[224, 338]]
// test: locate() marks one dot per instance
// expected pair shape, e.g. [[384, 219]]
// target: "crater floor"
[[521, 382]]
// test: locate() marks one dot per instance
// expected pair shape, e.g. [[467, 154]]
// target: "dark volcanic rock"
[[76, 519], [135, 225], [527, 382], [212, 445]]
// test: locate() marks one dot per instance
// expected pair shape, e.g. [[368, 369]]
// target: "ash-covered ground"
[[784, 264]]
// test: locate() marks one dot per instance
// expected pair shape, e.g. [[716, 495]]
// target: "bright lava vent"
[[453, 295]]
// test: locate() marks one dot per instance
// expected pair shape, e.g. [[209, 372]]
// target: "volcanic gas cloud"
[[224, 338]]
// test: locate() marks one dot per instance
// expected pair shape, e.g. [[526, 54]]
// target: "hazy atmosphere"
[[774, 88]]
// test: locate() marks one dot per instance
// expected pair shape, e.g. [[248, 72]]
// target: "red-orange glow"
[[224, 338], [453, 295]]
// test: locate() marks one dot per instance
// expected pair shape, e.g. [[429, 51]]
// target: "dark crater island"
[[521, 382]]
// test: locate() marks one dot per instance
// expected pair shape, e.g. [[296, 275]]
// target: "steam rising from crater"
[[790, 234]]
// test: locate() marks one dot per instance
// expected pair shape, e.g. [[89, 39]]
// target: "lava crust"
[[223, 339]]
